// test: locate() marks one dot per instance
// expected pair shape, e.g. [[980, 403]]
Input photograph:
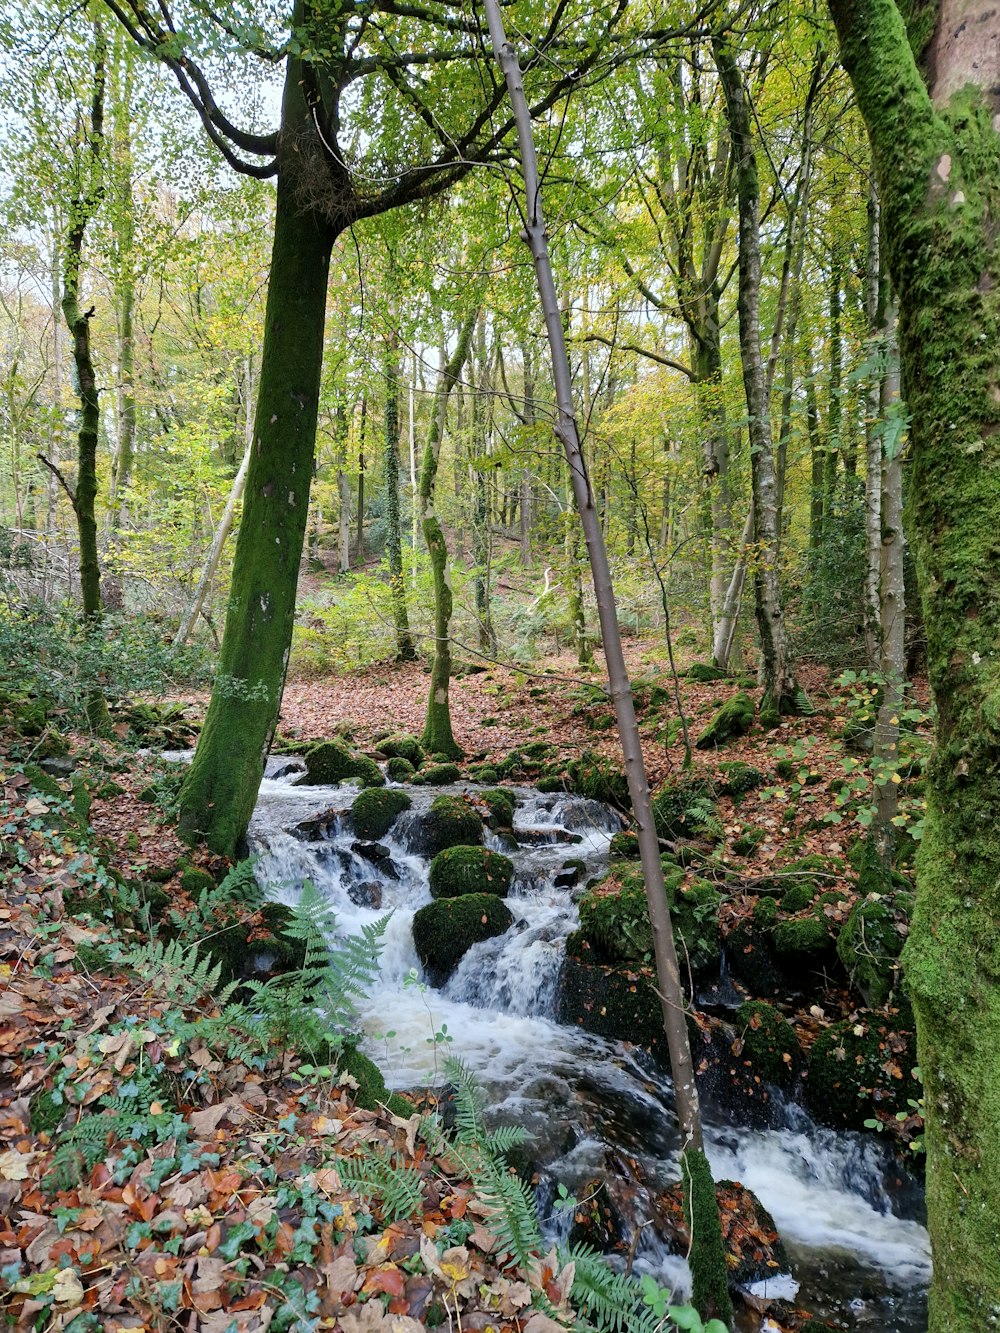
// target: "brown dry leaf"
[[340, 1275], [205, 1123]]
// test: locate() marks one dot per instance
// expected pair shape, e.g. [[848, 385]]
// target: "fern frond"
[[612, 1301], [177, 971], [386, 1178]]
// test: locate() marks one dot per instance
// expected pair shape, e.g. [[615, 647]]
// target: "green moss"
[[870, 942], [485, 773], [624, 846], [331, 762], [552, 783], [402, 747], [768, 1038], [437, 775], [399, 769], [445, 930], [858, 1067], [748, 841], [371, 1092], [619, 1003], [196, 881], [803, 939], [733, 719], [765, 913], [46, 1111], [704, 673], [737, 778], [707, 1258], [598, 778], [798, 896], [376, 809], [450, 822], [614, 919], [684, 809], [501, 804], [460, 870]]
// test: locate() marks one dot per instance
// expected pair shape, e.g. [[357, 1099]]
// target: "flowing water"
[[856, 1250]]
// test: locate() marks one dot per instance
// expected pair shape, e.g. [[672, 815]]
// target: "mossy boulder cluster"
[[437, 775], [376, 809], [768, 1044], [446, 929], [330, 762], [402, 747], [733, 719], [500, 804], [461, 870], [451, 822]]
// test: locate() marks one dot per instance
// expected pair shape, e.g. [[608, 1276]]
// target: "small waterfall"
[[855, 1244]]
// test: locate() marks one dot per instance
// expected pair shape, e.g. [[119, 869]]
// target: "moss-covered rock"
[[734, 719], [619, 1003], [704, 673], [376, 809], [859, 1067], [402, 746], [460, 870], [331, 762], [798, 896], [686, 809], [367, 1084], [803, 940], [614, 920], [750, 952], [501, 803], [598, 778], [870, 942], [196, 881], [624, 846], [737, 778], [769, 1043], [553, 783], [437, 775], [399, 769], [748, 840], [484, 773], [445, 930], [450, 822]]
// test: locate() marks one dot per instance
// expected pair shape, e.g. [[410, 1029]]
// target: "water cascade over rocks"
[[855, 1247]]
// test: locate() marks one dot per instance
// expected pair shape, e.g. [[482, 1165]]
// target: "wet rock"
[[402, 746], [399, 769], [570, 875], [624, 846], [445, 930], [437, 775], [283, 766], [368, 894], [766, 1044], [753, 1247], [379, 855], [500, 804], [546, 837], [376, 809], [450, 822], [615, 1002], [461, 870], [57, 766]]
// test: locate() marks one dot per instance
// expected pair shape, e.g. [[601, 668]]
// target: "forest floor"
[[147, 1183]]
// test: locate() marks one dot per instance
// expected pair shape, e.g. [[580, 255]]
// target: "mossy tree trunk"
[[405, 651], [437, 737], [780, 690], [937, 157], [709, 1261], [220, 790], [83, 496]]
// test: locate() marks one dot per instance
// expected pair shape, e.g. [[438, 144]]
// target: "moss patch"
[[403, 747], [734, 719], [858, 1067], [399, 769], [331, 762], [438, 775], [685, 809], [450, 822], [870, 942], [769, 1043]]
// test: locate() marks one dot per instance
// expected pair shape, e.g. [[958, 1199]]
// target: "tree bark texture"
[[437, 735], [937, 159], [405, 651], [780, 690], [668, 975], [220, 790]]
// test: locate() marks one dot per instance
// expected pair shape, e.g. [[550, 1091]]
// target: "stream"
[[857, 1252]]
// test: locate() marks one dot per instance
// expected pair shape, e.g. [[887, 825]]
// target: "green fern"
[[235, 896], [385, 1177], [612, 1301], [177, 971]]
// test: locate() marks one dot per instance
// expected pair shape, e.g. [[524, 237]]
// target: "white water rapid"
[[855, 1247]]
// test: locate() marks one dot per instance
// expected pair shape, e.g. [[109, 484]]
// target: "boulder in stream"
[[375, 810], [445, 930], [437, 775], [460, 870], [860, 1067], [450, 822], [330, 762], [402, 746]]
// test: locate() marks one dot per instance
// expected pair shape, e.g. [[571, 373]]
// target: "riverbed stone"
[[501, 803], [330, 762], [599, 779], [768, 1044], [460, 870], [399, 769], [446, 929], [402, 746], [450, 822], [753, 1248], [376, 809], [437, 775]]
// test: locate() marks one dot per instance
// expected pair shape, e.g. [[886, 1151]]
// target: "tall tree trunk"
[[937, 159], [84, 495], [437, 736], [780, 690], [874, 311], [405, 651], [220, 790], [343, 490], [708, 1261], [359, 542]]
